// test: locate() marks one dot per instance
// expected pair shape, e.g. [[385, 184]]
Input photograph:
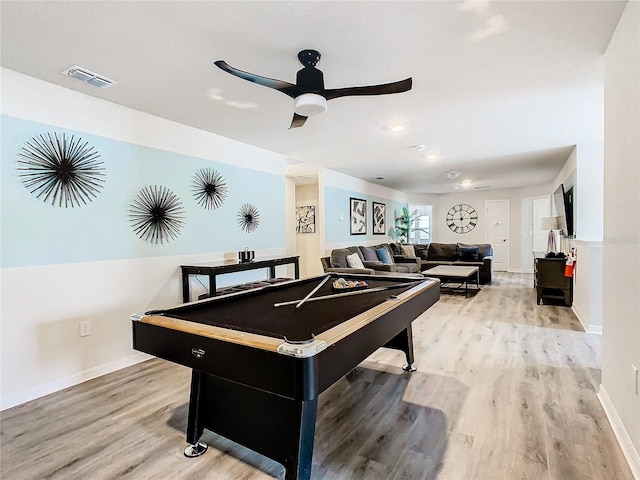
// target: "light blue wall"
[[336, 201], [37, 233]]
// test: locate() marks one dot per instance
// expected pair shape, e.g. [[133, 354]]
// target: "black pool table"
[[258, 368]]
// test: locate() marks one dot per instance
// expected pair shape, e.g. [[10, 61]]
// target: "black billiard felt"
[[254, 311]]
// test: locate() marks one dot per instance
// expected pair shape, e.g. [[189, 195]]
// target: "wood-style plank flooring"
[[505, 389]]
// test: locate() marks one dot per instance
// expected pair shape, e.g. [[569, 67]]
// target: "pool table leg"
[[299, 454], [404, 342], [195, 427]]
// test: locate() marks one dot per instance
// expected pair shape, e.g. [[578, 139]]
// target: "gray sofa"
[[371, 259], [477, 255]]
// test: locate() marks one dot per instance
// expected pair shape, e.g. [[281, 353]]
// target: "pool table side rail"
[[274, 344]]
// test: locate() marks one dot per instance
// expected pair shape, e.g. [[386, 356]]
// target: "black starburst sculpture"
[[156, 215], [209, 188], [65, 171], [248, 218]]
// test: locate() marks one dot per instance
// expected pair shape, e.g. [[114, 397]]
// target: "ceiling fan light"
[[310, 104]]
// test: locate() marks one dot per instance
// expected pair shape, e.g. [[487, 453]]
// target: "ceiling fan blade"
[[287, 88], [297, 121], [395, 87]]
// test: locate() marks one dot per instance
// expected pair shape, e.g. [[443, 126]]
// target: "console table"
[[220, 268], [550, 281]]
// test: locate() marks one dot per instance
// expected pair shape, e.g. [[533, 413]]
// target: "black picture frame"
[[379, 218], [357, 216]]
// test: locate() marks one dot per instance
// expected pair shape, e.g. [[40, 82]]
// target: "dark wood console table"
[[220, 268], [550, 281]]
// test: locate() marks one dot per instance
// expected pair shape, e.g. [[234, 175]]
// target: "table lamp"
[[551, 224]]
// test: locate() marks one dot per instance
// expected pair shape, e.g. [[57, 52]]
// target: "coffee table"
[[455, 273]]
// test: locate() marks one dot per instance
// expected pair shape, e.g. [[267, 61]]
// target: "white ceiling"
[[502, 90]]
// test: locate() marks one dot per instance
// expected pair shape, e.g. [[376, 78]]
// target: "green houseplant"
[[404, 225]]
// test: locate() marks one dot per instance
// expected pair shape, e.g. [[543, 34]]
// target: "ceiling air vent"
[[89, 77]]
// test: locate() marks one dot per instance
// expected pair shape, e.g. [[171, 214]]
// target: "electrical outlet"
[[635, 375], [85, 328]]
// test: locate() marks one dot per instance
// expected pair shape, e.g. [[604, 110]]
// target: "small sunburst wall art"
[[60, 169], [248, 218], [209, 188], [156, 215]]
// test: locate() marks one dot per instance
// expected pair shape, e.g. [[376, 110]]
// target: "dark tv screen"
[[564, 201]]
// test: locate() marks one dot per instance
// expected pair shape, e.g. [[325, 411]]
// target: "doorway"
[[534, 239]]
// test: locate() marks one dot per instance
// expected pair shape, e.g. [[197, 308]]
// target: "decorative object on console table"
[[379, 218], [358, 216], [246, 255], [551, 224], [462, 218], [306, 219]]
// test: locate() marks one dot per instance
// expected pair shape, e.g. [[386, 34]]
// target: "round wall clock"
[[462, 218]]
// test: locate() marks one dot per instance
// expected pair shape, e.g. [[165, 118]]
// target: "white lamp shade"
[[549, 223], [309, 104]]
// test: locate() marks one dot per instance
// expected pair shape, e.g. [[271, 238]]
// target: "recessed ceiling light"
[[452, 174], [466, 183], [397, 128], [421, 148], [432, 156]]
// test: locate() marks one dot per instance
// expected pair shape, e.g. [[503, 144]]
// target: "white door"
[[498, 232], [534, 238]]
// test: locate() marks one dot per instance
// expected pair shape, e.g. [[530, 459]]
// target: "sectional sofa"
[[403, 258], [463, 254], [374, 260]]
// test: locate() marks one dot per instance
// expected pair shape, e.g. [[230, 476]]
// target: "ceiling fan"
[[310, 96]]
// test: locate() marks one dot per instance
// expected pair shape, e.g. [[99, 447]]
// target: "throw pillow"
[[354, 261], [443, 251], [383, 255], [369, 254], [408, 251], [469, 254]]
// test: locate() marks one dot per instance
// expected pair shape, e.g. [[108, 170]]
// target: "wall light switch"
[[341, 218]]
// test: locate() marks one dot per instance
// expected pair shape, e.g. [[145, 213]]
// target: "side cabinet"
[[550, 281]]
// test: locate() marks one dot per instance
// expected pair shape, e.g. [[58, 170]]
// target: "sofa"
[[374, 260], [463, 254]]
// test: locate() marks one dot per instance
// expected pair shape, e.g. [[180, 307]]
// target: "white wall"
[[621, 246], [477, 199], [42, 306]]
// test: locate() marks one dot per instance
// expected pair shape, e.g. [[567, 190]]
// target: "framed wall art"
[[357, 216], [379, 218], [306, 219]]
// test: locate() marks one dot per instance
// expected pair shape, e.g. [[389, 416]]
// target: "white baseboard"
[[597, 329], [629, 451], [70, 381]]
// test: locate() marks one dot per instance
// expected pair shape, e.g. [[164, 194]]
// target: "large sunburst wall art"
[[248, 218], [65, 171], [209, 188], [156, 215]]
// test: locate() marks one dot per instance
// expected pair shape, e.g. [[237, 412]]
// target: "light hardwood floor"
[[505, 389]]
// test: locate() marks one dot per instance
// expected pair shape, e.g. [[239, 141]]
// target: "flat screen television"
[[564, 201]]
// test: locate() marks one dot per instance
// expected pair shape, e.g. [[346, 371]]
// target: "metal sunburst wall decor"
[[209, 188], [156, 215], [248, 218], [61, 169]]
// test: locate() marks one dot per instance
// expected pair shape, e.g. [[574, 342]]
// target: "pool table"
[[258, 367]]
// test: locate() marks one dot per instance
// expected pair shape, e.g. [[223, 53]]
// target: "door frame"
[[527, 257]]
